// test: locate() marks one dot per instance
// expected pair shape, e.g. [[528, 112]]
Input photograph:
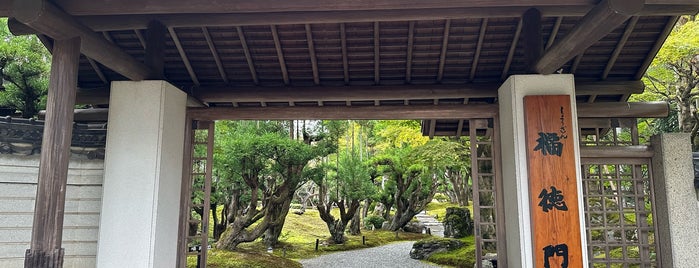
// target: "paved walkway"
[[436, 226], [391, 255]]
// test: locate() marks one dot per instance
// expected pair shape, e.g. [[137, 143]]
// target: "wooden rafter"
[[345, 63], [183, 56], [479, 46], [658, 44], [601, 20], [409, 53], [619, 46], [511, 53], [214, 53], [459, 129], [248, 56], [312, 54], [280, 54], [97, 70], [443, 53], [554, 32], [141, 39], [576, 63], [46, 18], [108, 37], [377, 53]]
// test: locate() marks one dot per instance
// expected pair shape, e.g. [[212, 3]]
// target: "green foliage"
[[373, 220], [24, 66], [243, 259], [355, 178], [461, 257]]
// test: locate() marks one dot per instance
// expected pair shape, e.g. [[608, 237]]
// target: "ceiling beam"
[[511, 53], [619, 46], [479, 46], [554, 32], [443, 53], [248, 56], [623, 109], [345, 112], [214, 53], [47, 19], [656, 47], [362, 93], [280, 54], [110, 7], [183, 55], [312, 54], [409, 53], [597, 23]]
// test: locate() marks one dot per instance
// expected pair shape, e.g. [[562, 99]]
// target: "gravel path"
[[391, 255]]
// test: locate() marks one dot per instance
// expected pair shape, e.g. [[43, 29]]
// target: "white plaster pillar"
[[675, 201], [514, 159], [142, 175]]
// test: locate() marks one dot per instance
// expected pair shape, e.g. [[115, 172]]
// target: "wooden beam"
[[344, 112], [97, 70], [623, 109], [248, 56], [183, 56], [214, 53], [479, 46], [280, 54], [511, 53], [343, 44], [155, 49], [132, 7], [533, 38], [443, 53], [377, 53], [635, 151], [459, 128], [600, 21], [141, 39], [658, 44], [576, 63], [409, 53], [46, 18], [433, 127], [619, 46], [47, 227], [360, 93], [312, 54]]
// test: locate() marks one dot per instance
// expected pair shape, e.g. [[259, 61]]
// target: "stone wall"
[[18, 175]]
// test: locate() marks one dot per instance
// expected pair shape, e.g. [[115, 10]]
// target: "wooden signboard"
[[552, 182]]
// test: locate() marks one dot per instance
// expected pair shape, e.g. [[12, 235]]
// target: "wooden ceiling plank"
[[98, 70], [554, 32], [511, 53], [479, 46], [619, 46], [597, 23], [443, 54], [183, 56], [377, 53], [280, 54], [46, 18], [248, 56], [409, 53], [656, 47], [312, 54], [345, 62], [533, 39], [214, 53]]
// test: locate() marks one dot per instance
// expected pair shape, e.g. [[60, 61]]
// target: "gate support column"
[[47, 228], [675, 200], [142, 175], [516, 181]]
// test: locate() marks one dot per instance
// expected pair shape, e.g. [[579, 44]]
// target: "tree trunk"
[[355, 224]]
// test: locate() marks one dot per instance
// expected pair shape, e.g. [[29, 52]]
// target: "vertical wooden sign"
[[553, 190]]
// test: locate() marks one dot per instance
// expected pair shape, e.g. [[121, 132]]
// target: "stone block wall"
[[18, 176]]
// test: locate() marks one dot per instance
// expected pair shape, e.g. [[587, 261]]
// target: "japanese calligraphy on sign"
[[555, 217]]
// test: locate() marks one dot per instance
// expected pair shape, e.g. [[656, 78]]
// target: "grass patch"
[[439, 209], [243, 259], [461, 257]]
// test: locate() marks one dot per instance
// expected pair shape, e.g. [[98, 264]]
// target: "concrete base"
[[514, 159], [142, 175], [675, 201]]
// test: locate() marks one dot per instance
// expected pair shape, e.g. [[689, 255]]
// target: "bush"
[[373, 220]]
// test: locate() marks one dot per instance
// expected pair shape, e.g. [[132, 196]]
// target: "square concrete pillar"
[[142, 175], [675, 200], [514, 159]]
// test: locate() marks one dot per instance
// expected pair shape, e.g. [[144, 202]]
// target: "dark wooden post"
[[533, 41], [47, 228]]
